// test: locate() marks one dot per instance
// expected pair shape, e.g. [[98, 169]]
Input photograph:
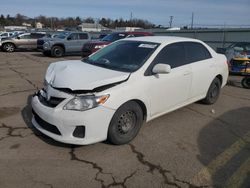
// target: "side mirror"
[[18, 38], [69, 38], [161, 69]]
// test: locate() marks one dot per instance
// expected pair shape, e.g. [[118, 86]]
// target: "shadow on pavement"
[[27, 117], [224, 146]]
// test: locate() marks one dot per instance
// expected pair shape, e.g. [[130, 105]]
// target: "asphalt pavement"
[[195, 146]]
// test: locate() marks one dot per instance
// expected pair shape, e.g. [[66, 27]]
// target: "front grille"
[[52, 102], [45, 125]]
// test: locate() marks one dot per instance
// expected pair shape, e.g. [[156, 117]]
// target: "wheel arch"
[[9, 43], [142, 106], [59, 44], [219, 76]]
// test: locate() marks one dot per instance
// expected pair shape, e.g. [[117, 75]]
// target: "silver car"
[[24, 41], [66, 43]]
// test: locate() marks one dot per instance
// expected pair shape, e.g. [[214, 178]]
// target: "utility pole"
[[131, 18], [171, 21], [192, 22]]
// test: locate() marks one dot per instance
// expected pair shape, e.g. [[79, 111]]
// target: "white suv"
[[111, 93]]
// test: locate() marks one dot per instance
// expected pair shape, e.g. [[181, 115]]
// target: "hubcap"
[[9, 48], [126, 122], [58, 52]]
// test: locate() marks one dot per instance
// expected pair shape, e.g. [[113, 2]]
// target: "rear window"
[[196, 52], [83, 36]]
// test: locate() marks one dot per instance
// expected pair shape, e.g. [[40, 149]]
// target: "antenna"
[[171, 21], [192, 22]]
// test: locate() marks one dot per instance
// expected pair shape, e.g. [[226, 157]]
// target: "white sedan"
[[109, 95]]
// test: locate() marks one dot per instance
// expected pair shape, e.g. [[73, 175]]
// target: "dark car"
[[92, 46]]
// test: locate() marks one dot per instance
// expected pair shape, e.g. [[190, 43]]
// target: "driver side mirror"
[[69, 38], [18, 38], [161, 69]]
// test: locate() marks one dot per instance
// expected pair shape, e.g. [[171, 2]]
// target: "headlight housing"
[[82, 103], [46, 45]]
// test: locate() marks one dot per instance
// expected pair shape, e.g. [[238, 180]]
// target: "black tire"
[[57, 51], [46, 53], [8, 47], [245, 82], [125, 123], [213, 92]]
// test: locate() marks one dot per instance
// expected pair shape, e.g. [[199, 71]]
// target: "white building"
[[26, 24], [39, 25], [13, 28], [91, 27], [123, 29]]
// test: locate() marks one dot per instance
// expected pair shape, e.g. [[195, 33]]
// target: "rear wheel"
[[57, 51], [9, 47], [125, 123], [245, 82], [213, 92]]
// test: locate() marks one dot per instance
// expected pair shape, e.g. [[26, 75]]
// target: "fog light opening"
[[79, 131]]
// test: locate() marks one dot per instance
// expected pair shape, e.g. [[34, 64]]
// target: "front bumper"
[[96, 122]]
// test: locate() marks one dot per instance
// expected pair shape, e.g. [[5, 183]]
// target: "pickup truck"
[[65, 43]]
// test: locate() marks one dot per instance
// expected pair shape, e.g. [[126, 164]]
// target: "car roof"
[[161, 39]]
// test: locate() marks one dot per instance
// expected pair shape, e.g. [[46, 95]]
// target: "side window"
[[172, 54], [25, 37], [73, 36], [196, 52], [83, 36]]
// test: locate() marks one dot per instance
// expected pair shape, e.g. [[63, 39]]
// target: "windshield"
[[126, 56], [114, 37]]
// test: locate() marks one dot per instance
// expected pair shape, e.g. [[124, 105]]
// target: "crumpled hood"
[[77, 75]]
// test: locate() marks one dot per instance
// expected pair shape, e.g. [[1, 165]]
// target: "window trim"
[[149, 72]]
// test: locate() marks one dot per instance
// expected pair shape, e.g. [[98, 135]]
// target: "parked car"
[[238, 50], [112, 92], [92, 46], [6, 35], [66, 43], [26, 40]]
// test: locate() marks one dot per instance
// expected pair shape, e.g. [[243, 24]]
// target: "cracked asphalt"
[[195, 146]]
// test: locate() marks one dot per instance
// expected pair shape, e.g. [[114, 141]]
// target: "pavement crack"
[[123, 182], [22, 76], [73, 157], [11, 130], [169, 178], [94, 166]]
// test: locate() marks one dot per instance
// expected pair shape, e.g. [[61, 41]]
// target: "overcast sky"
[[206, 12]]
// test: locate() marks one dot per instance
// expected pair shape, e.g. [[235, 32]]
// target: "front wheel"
[[57, 51], [9, 47], [245, 82], [213, 92], [125, 123]]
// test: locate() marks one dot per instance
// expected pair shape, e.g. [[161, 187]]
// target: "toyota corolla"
[[109, 95]]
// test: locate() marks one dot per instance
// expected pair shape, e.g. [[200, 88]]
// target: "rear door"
[[202, 65], [166, 91], [71, 43], [23, 41], [83, 38]]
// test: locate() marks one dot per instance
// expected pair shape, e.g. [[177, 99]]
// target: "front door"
[[167, 91]]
